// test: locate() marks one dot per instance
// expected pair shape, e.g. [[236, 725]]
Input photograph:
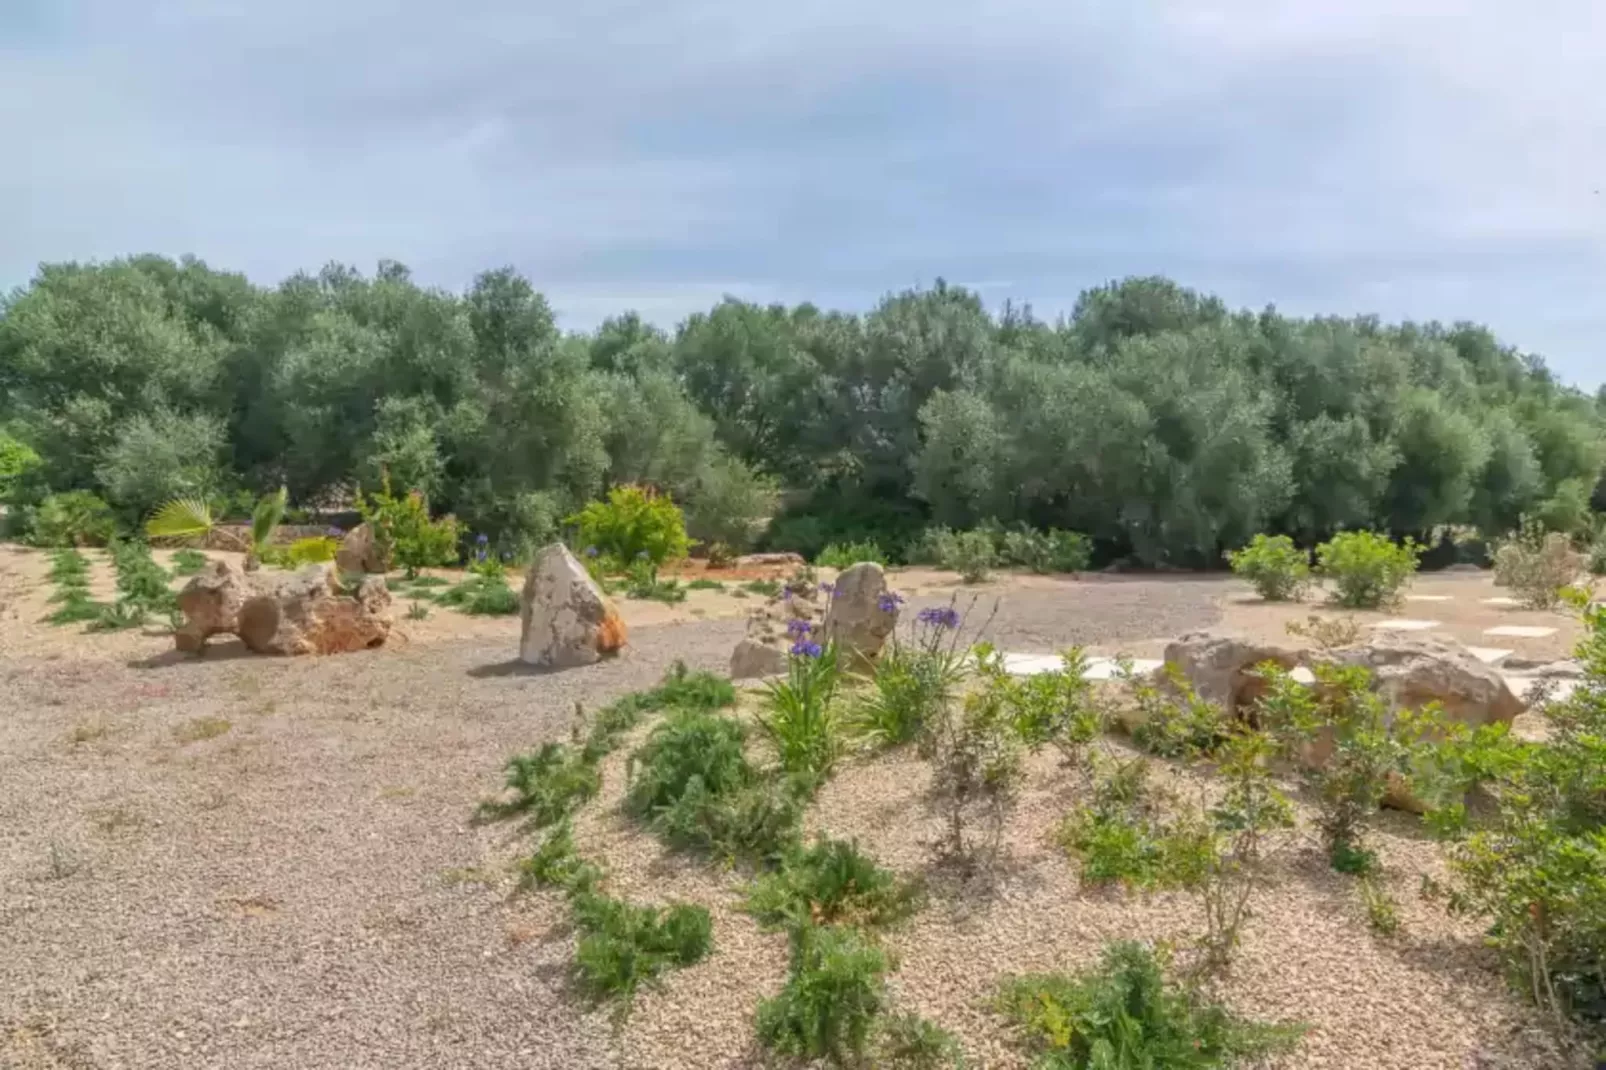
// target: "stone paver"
[[1521, 631], [1489, 655], [1430, 598], [1502, 600], [1405, 624]]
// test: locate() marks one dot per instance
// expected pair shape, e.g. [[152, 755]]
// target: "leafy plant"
[[641, 581], [1367, 570], [833, 995], [265, 520], [1056, 709], [933, 546], [705, 584], [1172, 720], [976, 773], [1046, 551], [1121, 835], [1278, 569], [1537, 564], [73, 518], [767, 588], [972, 555], [1125, 1015], [1328, 633], [633, 521], [1382, 912], [841, 555], [799, 718], [187, 562], [481, 596], [310, 551], [909, 1042], [624, 946], [69, 568], [831, 883], [404, 531], [556, 863], [548, 784], [417, 611], [19, 467], [914, 679], [142, 588]]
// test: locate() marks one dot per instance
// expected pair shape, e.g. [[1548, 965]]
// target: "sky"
[[1425, 159]]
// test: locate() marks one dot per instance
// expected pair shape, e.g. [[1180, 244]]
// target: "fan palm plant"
[[188, 520]]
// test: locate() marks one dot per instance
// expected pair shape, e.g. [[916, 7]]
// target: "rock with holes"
[[794, 614], [860, 615], [1220, 667], [566, 619], [360, 552], [309, 613], [211, 604]]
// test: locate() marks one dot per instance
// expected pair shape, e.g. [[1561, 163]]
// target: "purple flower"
[[797, 628], [591, 551], [482, 538], [943, 617], [334, 532], [828, 588], [890, 602], [803, 648]]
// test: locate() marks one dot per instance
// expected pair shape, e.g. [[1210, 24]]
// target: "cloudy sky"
[[1427, 159]]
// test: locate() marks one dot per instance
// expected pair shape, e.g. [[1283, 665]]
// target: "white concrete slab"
[[1489, 655], [1430, 598], [1503, 600], [1107, 669], [1031, 664], [1521, 631], [1405, 624], [1522, 686], [1302, 675]]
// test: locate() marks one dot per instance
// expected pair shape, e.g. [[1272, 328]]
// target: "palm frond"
[[266, 517], [180, 519]]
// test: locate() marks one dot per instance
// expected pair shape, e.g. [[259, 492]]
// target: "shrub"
[[404, 532], [1278, 569], [690, 750], [972, 555], [728, 503], [1328, 633], [1121, 835], [641, 581], [913, 680], [767, 588], [1367, 569], [548, 785], [933, 546], [556, 863], [634, 522], [73, 518], [680, 689], [831, 883], [1056, 709], [841, 555], [77, 607], [1382, 912], [1172, 720], [832, 997], [910, 1042], [20, 467], [624, 946], [311, 551], [69, 568], [1537, 565], [799, 718], [482, 596], [1124, 1015], [1046, 552], [188, 562], [142, 588], [976, 773], [417, 611], [705, 584]]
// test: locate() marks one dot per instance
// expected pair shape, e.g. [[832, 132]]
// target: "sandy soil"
[[243, 862]]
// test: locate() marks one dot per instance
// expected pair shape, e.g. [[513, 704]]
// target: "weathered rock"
[[307, 613], [860, 615], [566, 619], [1411, 672], [360, 552], [771, 632], [211, 604], [1220, 667], [780, 560]]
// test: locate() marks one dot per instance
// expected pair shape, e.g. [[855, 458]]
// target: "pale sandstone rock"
[[566, 619]]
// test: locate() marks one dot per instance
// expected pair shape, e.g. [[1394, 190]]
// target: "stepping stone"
[[1031, 664], [1502, 601], [1521, 631], [1489, 655], [1559, 690], [1302, 675], [1403, 624], [1107, 669], [1430, 598]]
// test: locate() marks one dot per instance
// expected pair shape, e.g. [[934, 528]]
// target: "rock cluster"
[[306, 612]]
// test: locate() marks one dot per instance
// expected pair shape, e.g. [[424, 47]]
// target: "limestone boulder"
[[566, 620], [1221, 667], [308, 613], [211, 604], [774, 627], [360, 552], [860, 615], [1412, 671]]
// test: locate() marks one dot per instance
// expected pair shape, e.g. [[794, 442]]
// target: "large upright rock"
[[566, 619], [211, 603], [360, 552], [308, 613], [1221, 667], [860, 615]]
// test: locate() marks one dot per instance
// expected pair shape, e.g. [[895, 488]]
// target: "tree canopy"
[[1155, 419]]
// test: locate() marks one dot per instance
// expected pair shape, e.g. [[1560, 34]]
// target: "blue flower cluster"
[[335, 533], [940, 617], [591, 551], [797, 629], [806, 648], [890, 602]]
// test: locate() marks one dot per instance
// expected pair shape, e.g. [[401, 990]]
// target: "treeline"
[[1154, 419]]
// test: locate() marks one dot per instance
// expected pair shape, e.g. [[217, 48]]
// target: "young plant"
[[1367, 570], [1328, 633], [1172, 720], [188, 562], [833, 996], [1538, 565], [417, 610], [141, 588], [973, 555], [841, 555], [311, 551], [1056, 709], [800, 719], [548, 785], [482, 596], [975, 756], [1119, 836], [909, 1042], [1125, 1015], [633, 521], [831, 883], [404, 531], [916, 676], [1382, 912], [73, 518], [641, 581], [1278, 570], [624, 946]]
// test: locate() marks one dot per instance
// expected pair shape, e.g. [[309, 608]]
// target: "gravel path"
[[241, 862]]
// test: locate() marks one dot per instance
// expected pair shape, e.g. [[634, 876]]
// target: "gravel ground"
[[241, 862]]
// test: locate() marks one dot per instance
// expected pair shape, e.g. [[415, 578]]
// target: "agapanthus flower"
[[591, 551], [940, 617], [890, 602], [334, 532], [482, 538], [828, 588], [805, 648], [797, 627]]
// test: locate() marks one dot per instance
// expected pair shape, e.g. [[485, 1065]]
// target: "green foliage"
[[142, 588], [404, 531], [1125, 1015], [635, 522], [728, 503], [909, 1042], [20, 467], [833, 995], [1536, 564], [69, 568], [74, 518], [705, 585], [1122, 835], [310, 551], [680, 689], [547, 785], [1382, 912], [624, 946], [1044, 552], [831, 883], [180, 519], [641, 581], [481, 596], [265, 520], [162, 454], [972, 555], [187, 562], [913, 683], [1367, 569], [767, 588], [847, 554], [1328, 633], [1278, 569], [1172, 720], [417, 611], [799, 717], [1056, 709], [556, 864], [977, 770]]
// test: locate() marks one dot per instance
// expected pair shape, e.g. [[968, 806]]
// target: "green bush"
[[910, 1042], [1367, 570], [556, 864], [833, 995], [841, 555], [404, 532], [680, 689], [691, 749], [1173, 721], [1537, 564], [311, 551], [933, 546], [799, 716], [728, 504], [976, 760], [73, 518], [69, 568], [188, 562], [1057, 709], [1122, 836], [1597, 556], [831, 883], [911, 683], [972, 555], [642, 582], [623, 946], [548, 784], [20, 469], [635, 522], [1278, 569], [481, 596], [1125, 1015], [1046, 552]]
